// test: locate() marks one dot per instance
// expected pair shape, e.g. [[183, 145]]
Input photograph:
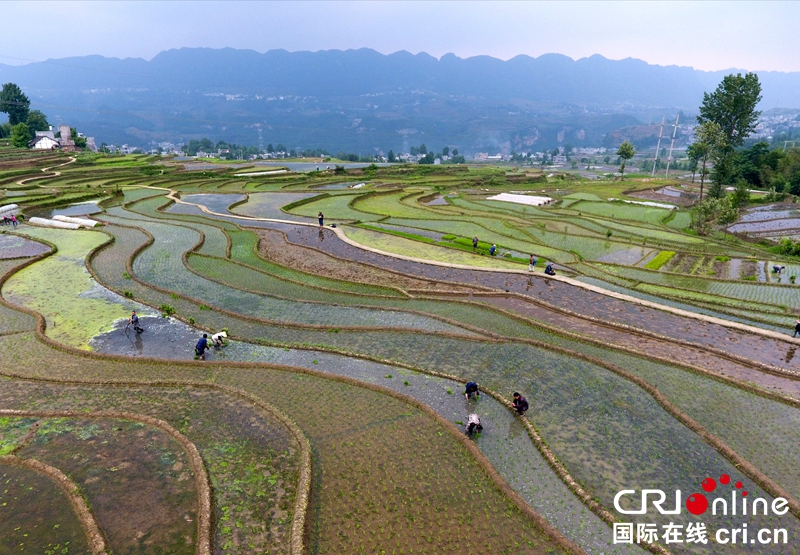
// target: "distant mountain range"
[[362, 101]]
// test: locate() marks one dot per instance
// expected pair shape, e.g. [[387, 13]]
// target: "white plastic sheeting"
[[9, 209], [83, 222], [44, 222], [522, 199]]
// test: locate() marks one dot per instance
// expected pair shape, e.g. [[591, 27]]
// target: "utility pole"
[[658, 146], [672, 144]]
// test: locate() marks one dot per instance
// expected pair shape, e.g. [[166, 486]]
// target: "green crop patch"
[[659, 260]]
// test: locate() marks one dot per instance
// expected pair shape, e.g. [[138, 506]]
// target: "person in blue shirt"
[[201, 347], [471, 391], [549, 270], [493, 250]]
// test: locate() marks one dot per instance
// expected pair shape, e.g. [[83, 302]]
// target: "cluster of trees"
[[23, 123], [727, 117]]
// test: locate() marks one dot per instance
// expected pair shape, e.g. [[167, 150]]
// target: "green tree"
[[391, 157], [446, 151], [455, 152], [14, 103], [728, 210], [20, 135], [741, 194], [625, 152], [423, 149], [427, 159], [37, 121], [704, 214], [695, 154], [709, 143], [733, 107]]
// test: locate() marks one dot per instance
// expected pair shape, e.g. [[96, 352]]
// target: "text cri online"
[[696, 532]]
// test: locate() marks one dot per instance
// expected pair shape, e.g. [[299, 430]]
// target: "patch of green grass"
[[659, 260]]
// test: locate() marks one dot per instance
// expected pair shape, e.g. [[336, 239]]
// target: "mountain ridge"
[[364, 100]]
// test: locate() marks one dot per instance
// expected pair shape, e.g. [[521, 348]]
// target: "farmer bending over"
[[471, 391], [520, 403], [473, 424], [218, 338], [201, 347]]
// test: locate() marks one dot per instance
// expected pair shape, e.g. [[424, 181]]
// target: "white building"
[[43, 142]]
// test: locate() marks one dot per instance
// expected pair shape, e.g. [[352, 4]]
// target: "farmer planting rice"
[[473, 424], [471, 391], [201, 347], [218, 339], [520, 404]]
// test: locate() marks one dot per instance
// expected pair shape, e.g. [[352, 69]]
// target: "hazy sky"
[[705, 35]]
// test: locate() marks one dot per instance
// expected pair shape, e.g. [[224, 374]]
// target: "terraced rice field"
[[332, 421]]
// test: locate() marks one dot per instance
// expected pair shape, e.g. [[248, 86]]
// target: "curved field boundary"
[[298, 540], [202, 481], [589, 287], [715, 442], [97, 542], [697, 277], [304, 487], [712, 440], [485, 291], [137, 251], [768, 368], [760, 478]]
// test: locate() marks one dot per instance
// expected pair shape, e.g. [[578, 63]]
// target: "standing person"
[[13, 220], [201, 347], [475, 243], [134, 321], [520, 403], [321, 219], [493, 249], [796, 328], [531, 263], [471, 391]]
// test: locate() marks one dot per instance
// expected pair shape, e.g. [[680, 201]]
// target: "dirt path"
[[45, 170]]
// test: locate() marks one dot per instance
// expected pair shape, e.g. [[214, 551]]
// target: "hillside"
[[361, 100]]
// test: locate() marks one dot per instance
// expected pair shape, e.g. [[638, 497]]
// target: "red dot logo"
[[744, 494], [724, 479], [739, 485], [708, 485], [697, 503]]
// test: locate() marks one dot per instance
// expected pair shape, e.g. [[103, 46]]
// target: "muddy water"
[[14, 246]]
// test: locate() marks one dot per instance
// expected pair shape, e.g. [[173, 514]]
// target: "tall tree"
[[37, 121], [14, 103], [626, 152], [733, 107], [709, 144]]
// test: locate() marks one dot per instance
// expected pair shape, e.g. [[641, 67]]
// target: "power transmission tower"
[[260, 139], [787, 143], [672, 144], [658, 146]]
